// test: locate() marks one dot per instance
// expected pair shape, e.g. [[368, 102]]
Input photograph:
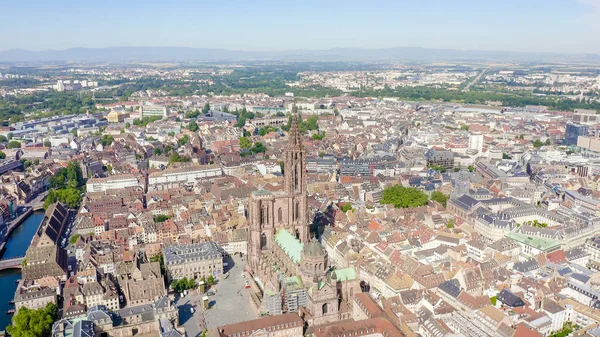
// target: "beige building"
[[141, 283], [193, 261], [589, 143], [117, 117], [33, 297]]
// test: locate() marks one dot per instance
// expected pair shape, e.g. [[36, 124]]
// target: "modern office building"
[[573, 132]]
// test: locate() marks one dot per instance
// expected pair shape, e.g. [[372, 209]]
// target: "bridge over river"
[[12, 263]]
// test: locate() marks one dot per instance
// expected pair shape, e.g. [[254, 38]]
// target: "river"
[[16, 246]]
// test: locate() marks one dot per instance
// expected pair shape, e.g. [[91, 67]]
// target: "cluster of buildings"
[[513, 251]]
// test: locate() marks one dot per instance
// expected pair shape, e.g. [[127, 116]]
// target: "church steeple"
[[294, 140], [295, 179], [295, 159]]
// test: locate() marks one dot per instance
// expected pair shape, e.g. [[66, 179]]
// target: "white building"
[[112, 182], [180, 177], [476, 143]]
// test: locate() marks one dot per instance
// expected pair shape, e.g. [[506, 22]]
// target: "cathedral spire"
[[294, 134]]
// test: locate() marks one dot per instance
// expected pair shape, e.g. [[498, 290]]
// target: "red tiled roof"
[[523, 331], [557, 256]]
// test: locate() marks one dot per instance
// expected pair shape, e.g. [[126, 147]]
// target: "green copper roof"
[[293, 282], [345, 274], [290, 245], [533, 241], [261, 192]]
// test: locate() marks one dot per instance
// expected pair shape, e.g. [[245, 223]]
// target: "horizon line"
[[307, 49]]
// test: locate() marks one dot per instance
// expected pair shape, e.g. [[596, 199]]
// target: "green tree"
[[2, 155], [266, 130], [450, 224], [438, 168], [183, 284], [439, 197], [318, 136], [183, 140], [13, 144], [345, 207], [157, 151], [537, 143], [258, 148], [471, 168], [161, 260], [73, 239], [26, 163], [547, 142], [47, 143], [3, 139], [36, 161], [210, 280], [70, 196], [206, 108], [161, 218], [106, 140], [403, 197], [193, 126], [33, 323], [464, 127], [245, 143]]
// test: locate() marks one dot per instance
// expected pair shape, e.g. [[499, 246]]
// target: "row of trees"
[[144, 121], [185, 283], [13, 108]]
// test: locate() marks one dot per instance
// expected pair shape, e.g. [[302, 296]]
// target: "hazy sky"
[[517, 25]]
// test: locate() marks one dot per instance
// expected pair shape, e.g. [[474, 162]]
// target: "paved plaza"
[[230, 304]]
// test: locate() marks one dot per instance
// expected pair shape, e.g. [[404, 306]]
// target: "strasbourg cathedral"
[[291, 268]]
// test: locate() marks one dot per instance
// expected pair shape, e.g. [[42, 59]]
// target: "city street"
[[230, 304]]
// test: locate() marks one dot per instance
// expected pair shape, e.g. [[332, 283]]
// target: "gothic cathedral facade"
[[294, 269], [269, 212]]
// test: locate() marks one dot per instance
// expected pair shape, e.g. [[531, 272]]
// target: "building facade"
[[193, 261]]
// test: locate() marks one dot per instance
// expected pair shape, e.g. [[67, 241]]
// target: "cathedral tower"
[[294, 159]]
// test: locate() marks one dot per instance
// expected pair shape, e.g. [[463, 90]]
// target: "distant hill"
[[178, 54]]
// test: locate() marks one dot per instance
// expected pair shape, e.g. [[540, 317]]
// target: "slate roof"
[[451, 287], [465, 202], [510, 299], [527, 265]]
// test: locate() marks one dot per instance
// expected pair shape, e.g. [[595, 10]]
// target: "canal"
[[16, 246]]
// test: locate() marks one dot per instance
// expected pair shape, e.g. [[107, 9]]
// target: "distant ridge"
[[180, 54]]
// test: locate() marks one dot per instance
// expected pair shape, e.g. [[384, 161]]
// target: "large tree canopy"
[[33, 323], [403, 197]]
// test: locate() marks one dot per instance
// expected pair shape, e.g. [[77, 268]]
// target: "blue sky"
[[516, 25]]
